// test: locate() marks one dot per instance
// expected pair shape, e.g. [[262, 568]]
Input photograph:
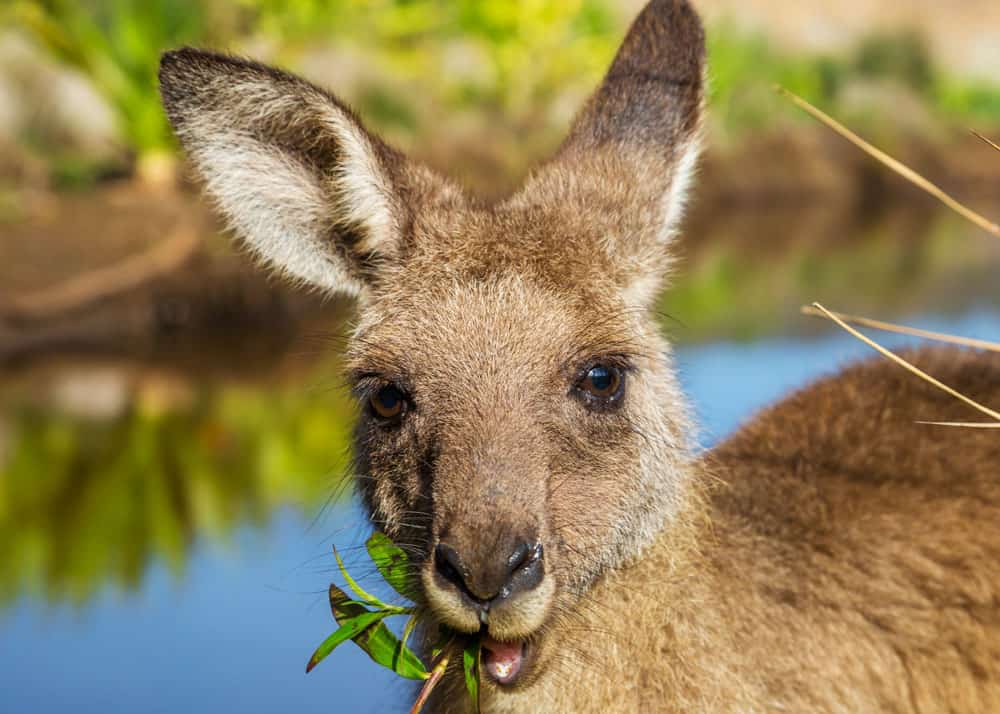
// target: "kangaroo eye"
[[388, 402], [602, 384]]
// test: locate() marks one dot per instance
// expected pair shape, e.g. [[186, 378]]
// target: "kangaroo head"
[[521, 431]]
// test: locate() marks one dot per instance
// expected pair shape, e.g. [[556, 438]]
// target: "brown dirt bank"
[[114, 271]]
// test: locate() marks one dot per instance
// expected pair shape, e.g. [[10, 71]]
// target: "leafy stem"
[[361, 620]]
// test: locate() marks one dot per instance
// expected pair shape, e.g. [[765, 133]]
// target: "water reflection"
[[746, 272], [109, 475]]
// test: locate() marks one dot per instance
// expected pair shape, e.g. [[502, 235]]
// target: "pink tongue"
[[502, 659]]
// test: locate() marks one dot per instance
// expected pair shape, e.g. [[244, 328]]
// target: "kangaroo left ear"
[[300, 180], [632, 150]]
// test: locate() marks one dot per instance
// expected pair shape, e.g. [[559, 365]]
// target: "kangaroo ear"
[[291, 168], [631, 152]]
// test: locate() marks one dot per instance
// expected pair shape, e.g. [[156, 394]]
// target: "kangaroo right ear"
[[294, 172], [631, 152]]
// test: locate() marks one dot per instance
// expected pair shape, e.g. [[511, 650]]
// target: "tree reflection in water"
[[89, 501]]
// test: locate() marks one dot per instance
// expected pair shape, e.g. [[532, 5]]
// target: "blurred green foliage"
[[422, 67], [522, 51], [117, 44], [743, 68], [903, 56], [525, 49], [85, 504]]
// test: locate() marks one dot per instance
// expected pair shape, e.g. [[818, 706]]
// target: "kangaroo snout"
[[485, 576], [494, 576]]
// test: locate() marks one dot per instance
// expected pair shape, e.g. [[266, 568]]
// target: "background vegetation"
[[429, 72]]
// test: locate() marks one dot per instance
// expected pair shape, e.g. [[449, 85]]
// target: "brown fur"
[[831, 556], [842, 559]]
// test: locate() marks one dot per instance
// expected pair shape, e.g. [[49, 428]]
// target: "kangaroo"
[[522, 433]]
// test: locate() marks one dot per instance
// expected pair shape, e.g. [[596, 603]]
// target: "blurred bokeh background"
[[174, 436]]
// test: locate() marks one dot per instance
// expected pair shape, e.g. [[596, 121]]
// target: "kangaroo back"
[[877, 535]]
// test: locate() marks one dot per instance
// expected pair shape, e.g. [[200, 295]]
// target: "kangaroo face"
[[509, 409], [521, 431]]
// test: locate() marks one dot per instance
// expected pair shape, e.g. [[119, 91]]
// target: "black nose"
[[496, 578]]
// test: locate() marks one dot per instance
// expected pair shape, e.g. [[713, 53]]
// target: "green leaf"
[[377, 641], [343, 607], [393, 562], [407, 631], [349, 629], [470, 665], [385, 649], [364, 596]]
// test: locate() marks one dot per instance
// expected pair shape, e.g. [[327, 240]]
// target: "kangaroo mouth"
[[505, 663]]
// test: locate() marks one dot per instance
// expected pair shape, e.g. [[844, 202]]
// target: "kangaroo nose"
[[496, 579]]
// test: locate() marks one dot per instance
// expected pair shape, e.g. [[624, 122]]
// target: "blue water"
[[234, 633]]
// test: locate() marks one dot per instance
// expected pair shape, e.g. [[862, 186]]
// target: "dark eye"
[[388, 402], [602, 384]]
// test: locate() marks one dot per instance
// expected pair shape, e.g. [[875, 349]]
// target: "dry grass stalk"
[[980, 136], [995, 424], [904, 330], [897, 166], [964, 424]]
